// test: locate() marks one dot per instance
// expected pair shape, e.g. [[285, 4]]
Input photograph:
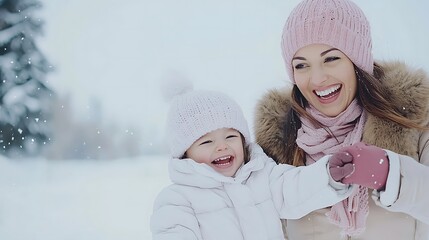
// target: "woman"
[[340, 97]]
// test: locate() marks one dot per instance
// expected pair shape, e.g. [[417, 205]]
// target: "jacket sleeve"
[[298, 191], [412, 191], [173, 218]]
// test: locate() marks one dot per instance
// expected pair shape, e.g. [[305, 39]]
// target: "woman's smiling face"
[[326, 78]]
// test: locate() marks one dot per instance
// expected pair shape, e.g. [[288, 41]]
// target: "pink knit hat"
[[337, 23]]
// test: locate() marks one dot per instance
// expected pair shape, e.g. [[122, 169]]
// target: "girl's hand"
[[340, 165]]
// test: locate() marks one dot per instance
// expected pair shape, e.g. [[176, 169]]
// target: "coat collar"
[[190, 173]]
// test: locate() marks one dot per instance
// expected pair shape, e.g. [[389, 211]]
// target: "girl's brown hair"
[[246, 150], [371, 94]]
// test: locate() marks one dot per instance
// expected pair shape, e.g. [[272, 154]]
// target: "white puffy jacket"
[[203, 204]]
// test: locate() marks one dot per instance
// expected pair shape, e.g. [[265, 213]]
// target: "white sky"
[[117, 51]]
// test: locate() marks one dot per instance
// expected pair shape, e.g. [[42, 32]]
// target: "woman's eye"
[[299, 66], [330, 59]]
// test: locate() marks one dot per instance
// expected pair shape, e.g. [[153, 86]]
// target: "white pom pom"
[[175, 85]]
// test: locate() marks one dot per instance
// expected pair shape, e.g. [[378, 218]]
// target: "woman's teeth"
[[328, 91]]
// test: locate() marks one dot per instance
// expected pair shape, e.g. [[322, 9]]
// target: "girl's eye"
[[299, 66], [231, 136], [330, 59], [206, 142]]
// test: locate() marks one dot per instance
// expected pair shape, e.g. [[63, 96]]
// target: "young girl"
[[224, 186]]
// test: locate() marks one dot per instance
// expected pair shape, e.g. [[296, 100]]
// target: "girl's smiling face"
[[326, 78], [221, 149]]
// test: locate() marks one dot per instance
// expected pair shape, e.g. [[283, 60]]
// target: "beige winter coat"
[[408, 217]]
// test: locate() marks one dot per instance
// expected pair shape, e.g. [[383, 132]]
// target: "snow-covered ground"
[[80, 199]]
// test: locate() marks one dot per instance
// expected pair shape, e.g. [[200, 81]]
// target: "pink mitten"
[[371, 166], [340, 165]]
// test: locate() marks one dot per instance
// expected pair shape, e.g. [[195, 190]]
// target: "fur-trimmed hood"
[[410, 89]]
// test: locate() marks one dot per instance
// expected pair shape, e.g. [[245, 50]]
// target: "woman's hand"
[[370, 165]]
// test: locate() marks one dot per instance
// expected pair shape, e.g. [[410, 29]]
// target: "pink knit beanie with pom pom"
[[337, 23], [194, 113]]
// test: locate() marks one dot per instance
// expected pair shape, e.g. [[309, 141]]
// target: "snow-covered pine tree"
[[24, 96]]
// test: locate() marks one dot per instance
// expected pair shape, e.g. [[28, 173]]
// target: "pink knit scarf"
[[349, 214]]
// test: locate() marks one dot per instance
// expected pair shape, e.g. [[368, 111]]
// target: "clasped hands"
[[361, 164]]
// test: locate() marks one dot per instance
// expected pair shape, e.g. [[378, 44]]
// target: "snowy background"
[[69, 200], [116, 52]]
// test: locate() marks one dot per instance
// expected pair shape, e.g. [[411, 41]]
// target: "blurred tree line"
[[87, 136], [34, 120]]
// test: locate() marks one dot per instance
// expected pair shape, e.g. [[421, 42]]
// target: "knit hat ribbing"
[[337, 23], [193, 114]]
